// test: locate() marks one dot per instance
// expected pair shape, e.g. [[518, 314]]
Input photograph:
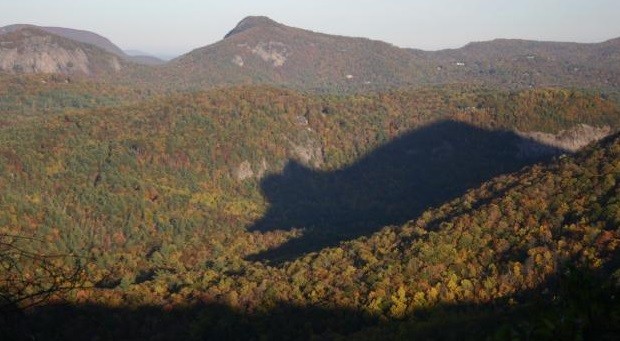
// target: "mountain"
[[136, 53], [73, 34], [529, 63], [145, 60], [141, 57], [31, 50], [86, 37], [260, 50]]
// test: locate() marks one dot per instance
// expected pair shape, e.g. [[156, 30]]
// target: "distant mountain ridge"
[[259, 50], [530, 63], [86, 37], [73, 34], [31, 50]]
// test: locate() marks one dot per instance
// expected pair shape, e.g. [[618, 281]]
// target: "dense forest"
[[253, 212]]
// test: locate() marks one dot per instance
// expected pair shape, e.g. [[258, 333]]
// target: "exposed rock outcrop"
[[244, 171], [40, 55], [30, 50], [309, 151], [89, 38], [273, 52], [570, 140]]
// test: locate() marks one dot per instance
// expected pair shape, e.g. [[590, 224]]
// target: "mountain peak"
[[72, 34], [33, 49], [251, 22]]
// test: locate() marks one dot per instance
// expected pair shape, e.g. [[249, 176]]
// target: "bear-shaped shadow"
[[389, 186]]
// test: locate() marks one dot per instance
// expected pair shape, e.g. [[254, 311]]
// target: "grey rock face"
[[244, 171], [569, 140]]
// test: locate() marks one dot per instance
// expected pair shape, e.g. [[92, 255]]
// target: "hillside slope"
[[80, 36], [30, 50], [515, 62], [260, 50], [86, 37], [513, 241], [251, 212], [510, 257]]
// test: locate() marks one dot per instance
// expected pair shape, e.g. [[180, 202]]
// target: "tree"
[[28, 278]]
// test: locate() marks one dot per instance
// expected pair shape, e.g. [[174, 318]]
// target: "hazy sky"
[[175, 27]]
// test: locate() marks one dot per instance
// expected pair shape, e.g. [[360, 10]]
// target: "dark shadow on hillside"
[[573, 306], [195, 322], [391, 185]]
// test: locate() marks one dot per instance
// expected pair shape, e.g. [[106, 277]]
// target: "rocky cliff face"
[[570, 140], [89, 38], [30, 50], [40, 55]]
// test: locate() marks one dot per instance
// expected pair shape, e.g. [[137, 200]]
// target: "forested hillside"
[[223, 213], [260, 50]]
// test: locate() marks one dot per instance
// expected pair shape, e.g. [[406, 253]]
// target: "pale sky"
[[164, 27]]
